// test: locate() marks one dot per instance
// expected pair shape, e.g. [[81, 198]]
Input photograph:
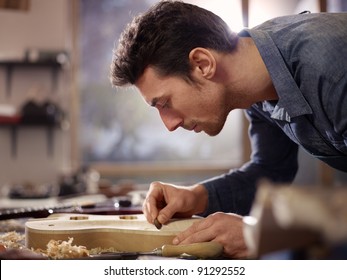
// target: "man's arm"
[[274, 157]]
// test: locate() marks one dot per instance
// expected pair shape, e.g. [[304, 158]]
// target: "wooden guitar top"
[[124, 233]]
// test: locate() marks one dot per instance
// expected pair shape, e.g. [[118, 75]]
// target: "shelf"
[[24, 63], [14, 125], [10, 65], [14, 134]]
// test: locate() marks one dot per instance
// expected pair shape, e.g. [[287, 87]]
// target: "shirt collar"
[[291, 102], [277, 112]]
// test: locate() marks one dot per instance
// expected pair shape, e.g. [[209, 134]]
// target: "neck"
[[248, 75]]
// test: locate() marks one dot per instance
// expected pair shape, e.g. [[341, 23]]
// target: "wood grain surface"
[[124, 233]]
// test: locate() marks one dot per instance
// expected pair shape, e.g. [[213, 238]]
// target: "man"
[[288, 74]]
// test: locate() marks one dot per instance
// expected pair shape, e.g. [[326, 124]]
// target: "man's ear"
[[202, 62]]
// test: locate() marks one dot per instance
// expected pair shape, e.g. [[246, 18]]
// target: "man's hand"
[[163, 201], [226, 229]]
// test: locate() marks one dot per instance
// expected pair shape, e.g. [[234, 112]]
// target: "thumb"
[[166, 214]]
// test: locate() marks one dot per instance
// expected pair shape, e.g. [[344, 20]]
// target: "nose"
[[171, 120]]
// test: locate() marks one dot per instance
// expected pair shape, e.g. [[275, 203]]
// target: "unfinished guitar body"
[[127, 233]]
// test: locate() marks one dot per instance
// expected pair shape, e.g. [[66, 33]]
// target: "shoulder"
[[320, 28], [309, 40], [306, 22]]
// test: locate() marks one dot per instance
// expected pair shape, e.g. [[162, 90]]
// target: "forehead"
[[149, 84], [152, 86]]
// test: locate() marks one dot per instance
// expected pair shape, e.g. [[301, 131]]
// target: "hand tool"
[[157, 224], [202, 250]]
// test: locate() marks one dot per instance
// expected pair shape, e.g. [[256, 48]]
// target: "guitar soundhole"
[[79, 218], [128, 217]]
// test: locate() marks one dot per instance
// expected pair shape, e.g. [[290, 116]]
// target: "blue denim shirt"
[[306, 56]]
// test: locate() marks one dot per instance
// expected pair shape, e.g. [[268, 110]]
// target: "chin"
[[211, 134], [214, 130]]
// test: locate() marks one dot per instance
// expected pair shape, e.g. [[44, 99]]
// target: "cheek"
[[194, 104], [168, 113]]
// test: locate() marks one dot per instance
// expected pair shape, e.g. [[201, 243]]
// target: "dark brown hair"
[[163, 38]]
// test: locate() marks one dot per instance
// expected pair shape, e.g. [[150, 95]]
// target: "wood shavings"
[[12, 240], [99, 250], [58, 249]]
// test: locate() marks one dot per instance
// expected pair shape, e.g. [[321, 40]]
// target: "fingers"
[[226, 229], [149, 209], [156, 204], [152, 201], [166, 213], [200, 231], [163, 201]]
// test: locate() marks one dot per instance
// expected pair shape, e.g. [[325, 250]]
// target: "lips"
[[194, 128], [197, 129]]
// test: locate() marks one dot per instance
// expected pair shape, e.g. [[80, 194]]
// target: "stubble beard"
[[214, 127]]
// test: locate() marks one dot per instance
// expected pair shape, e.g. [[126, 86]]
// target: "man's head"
[[163, 37], [172, 54]]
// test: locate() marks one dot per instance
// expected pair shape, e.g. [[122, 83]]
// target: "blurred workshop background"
[[65, 130]]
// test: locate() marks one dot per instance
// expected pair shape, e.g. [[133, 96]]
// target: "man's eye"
[[164, 104]]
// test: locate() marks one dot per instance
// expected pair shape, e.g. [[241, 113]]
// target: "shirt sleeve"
[[337, 112], [274, 157]]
